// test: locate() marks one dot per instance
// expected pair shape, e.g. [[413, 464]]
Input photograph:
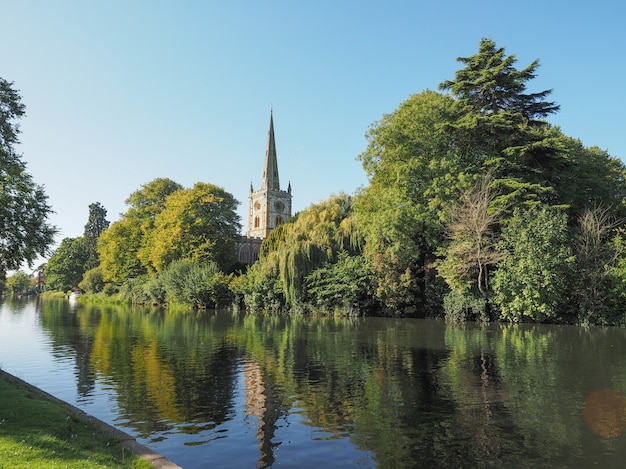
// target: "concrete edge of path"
[[157, 460]]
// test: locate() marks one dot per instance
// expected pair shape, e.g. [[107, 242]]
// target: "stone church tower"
[[269, 206]]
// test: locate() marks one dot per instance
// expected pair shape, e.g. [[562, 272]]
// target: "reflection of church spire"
[[261, 403]]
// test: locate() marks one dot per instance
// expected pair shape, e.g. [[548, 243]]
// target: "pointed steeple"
[[270, 179], [268, 205]]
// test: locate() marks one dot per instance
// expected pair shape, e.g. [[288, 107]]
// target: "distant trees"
[[20, 283], [96, 224], [165, 223], [66, 267], [76, 256], [200, 224], [24, 231], [123, 248], [172, 245]]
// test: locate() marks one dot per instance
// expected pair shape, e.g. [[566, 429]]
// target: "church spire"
[[270, 179], [268, 205]]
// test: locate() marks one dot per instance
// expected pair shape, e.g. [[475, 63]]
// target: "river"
[[225, 389]]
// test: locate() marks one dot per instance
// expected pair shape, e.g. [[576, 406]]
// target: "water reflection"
[[236, 390]]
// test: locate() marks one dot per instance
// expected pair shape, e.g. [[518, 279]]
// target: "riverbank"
[[39, 430]]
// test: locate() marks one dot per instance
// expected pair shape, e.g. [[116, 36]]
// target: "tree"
[[119, 246], [593, 178], [598, 253], [503, 128], [92, 281], [66, 266], [345, 285], [533, 280], [199, 224], [198, 285], [117, 249], [96, 224], [472, 251], [20, 283], [414, 172], [313, 239], [490, 84], [24, 232]]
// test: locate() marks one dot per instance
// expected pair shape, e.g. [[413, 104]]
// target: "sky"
[[121, 92]]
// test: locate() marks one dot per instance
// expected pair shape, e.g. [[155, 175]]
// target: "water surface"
[[223, 389]]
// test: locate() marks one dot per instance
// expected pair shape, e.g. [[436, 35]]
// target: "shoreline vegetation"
[[477, 208], [39, 430]]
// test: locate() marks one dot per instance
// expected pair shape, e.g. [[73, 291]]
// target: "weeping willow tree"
[[293, 250]]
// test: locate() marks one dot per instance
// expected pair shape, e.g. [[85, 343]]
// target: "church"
[[268, 207]]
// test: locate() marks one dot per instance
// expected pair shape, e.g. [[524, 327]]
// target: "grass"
[[36, 432]]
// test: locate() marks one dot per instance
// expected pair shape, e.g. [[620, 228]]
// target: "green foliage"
[[92, 281], [66, 267], [260, 287], [414, 173], [117, 247], [24, 231], [490, 84], [345, 286], [144, 290], [198, 285], [96, 224], [120, 245], [295, 249], [461, 306], [593, 178], [533, 280], [503, 128], [311, 241], [20, 283], [200, 224]]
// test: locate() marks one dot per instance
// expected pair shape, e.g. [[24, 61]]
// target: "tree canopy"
[[25, 233], [166, 222], [120, 246]]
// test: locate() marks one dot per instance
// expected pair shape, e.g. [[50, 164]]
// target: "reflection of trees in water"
[[407, 392], [166, 370], [70, 331]]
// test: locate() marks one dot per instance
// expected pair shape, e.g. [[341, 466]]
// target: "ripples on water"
[[229, 390]]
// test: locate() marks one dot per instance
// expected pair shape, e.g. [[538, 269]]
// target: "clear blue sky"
[[119, 93]]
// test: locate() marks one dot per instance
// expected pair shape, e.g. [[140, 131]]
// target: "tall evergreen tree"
[[504, 128], [96, 224]]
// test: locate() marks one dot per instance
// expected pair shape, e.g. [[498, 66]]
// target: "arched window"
[[279, 220], [257, 221], [244, 254]]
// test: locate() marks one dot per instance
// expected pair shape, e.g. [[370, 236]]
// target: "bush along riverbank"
[[37, 430]]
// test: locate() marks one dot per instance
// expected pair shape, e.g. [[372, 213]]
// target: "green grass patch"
[[36, 432]]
